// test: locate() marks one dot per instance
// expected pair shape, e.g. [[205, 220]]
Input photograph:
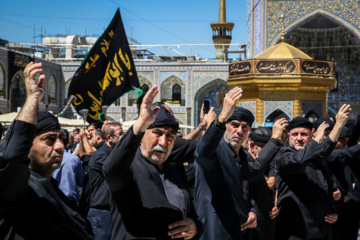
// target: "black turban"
[[242, 114], [300, 122], [345, 132], [260, 134], [47, 121], [165, 119], [319, 121]]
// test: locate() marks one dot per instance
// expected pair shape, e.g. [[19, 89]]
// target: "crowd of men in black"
[[224, 180]]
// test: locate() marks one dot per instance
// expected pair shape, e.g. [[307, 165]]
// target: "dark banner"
[[239, 68], [17, 62], [281, 66], [315, 67], [106, 73]]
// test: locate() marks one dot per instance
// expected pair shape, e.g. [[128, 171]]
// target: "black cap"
[[47, 121], [260, 134], [300, 122], [345, 132], [164, 118], [319, 121], [241, 113]]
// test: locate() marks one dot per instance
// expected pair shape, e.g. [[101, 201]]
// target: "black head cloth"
[[47, 121], [165, 119], [345, 132], [300, 122], [241, 113], [260, 134], [319, 121]]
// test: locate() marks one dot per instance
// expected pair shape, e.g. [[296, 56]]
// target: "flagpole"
[[72, 97]]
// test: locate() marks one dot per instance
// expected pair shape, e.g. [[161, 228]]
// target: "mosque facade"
[[325, 30]]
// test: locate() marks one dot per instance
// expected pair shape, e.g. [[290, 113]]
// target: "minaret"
[[222, 32]]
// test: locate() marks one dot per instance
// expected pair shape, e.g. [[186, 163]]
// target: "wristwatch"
[[200, 128]]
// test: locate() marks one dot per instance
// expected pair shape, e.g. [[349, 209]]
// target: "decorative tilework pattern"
[[248, 29], [249, 105], [285, 106], [258, 26], [347, 10], [147, 74], [201, 78], [164, 75], [308, 106]]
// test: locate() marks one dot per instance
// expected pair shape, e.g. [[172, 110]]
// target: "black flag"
[[106, 73]]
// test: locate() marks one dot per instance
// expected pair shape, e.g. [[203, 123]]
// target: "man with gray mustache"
[[150, 197]]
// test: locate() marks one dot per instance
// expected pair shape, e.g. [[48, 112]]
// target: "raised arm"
[[116, 167], [269, 151], [17, 142]]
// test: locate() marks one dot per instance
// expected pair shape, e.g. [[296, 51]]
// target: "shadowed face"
[[157, 144], [300, 137], [342, 143], [46, 152]]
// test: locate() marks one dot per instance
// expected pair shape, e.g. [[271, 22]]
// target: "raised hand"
[[229, 103], [343, 114], [278, 129], [210, 116], [341, 119], [320, 132], [34, 89], [147, 112]]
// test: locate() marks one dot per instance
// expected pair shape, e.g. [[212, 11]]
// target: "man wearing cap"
[[347, 159], [150, 198], [222, 187], [304, 185], [264, 145], [31, 206]]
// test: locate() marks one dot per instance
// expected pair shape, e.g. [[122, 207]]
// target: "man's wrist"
[[220, 125], [200, 128]]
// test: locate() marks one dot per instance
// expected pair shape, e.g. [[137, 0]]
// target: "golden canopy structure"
[[283, 80]]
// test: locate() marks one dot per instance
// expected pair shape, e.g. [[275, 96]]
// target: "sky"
[[149, 22]]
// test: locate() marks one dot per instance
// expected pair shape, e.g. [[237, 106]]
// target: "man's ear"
[[313, 131], [252, 145]]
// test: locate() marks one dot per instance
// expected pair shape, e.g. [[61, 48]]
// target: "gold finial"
[[281, 15]]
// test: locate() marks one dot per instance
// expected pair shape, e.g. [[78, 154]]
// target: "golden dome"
[[281, 51]]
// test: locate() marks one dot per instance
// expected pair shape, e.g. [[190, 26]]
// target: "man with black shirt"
[[150, 197], [304, 184], [222, 178], [31, 206], [99, 214]]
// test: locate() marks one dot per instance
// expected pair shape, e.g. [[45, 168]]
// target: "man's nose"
[[162, 140], [58, 145], [240, 130]]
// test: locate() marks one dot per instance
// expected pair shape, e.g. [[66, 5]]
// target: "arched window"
[[17, 92], [275, 115], [176, 93], [2, 82], [52, 96], [133, 95], [145, 86], [173, 91]]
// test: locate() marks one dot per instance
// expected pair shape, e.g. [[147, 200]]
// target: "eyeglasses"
[[118, 134]]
